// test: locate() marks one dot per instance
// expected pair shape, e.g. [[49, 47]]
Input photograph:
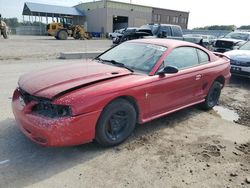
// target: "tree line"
[[223, 27]]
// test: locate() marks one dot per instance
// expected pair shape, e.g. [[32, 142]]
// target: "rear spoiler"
[[221, 55]]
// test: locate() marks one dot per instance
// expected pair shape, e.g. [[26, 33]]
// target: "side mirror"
[[168, 70]]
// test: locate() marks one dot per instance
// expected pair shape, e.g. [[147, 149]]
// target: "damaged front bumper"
[[65, 131]]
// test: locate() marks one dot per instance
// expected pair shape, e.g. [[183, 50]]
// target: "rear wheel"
[[62, 35], [212, 97], [116, 123]]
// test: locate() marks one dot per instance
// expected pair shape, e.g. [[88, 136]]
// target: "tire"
[[62, 35], [4, 32], [116, 123], [77, 36], [213, 96]]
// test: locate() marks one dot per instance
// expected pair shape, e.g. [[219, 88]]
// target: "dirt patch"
[[236, 97], [245, 148], [211, 150], [244, 113]]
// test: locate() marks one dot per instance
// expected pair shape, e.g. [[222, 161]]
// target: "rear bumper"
[[55, 132]]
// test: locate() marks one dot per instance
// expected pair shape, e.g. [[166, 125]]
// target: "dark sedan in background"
[[231, 41]]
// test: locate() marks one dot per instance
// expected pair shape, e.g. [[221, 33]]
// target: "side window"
[[203, 57], [182, 58], [167, 30], [177, 31]]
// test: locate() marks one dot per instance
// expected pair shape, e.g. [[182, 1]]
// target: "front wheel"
[[62, 35], [116, 123], [212, 97]]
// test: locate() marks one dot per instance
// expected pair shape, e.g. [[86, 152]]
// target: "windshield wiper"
[[115, 63], [99, 59]]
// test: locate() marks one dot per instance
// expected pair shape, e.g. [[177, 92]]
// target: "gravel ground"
[[189, 148], [35, 49]]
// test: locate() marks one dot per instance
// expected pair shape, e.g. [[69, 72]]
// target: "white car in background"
[[240, 60], [116, 33]]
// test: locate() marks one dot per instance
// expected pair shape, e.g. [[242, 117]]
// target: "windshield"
[[154, 28], [246, 46], [129, 30], [136, 56], [235, 35]]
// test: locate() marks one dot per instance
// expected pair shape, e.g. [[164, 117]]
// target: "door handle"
[[198, 77]]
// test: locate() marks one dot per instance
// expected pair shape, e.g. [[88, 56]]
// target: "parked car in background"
[[165, 30], [116, 33], [231, 41], [173, 32], [131, 33], [103, 99], [161, 31], [240, 60], [207, 40]]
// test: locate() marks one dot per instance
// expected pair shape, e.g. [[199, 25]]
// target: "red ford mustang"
[[104, 98]]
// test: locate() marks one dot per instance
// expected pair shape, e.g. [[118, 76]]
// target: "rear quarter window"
[[203, 56]]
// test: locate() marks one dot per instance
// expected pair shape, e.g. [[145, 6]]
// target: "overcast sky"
[[202, 12]]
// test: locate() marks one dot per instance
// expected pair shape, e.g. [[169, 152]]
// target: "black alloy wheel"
[[116, 123], [212, 97]]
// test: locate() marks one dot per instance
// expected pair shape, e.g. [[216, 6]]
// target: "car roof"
[[170, 43], [131, 28], [243, 32], [157, 24]]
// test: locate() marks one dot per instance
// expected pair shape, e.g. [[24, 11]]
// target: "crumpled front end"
[[49, 130]]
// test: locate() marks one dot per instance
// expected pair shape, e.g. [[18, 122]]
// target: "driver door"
[[177, 90]]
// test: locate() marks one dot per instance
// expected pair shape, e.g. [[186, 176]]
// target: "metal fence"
[[31, 30], [216, 33]]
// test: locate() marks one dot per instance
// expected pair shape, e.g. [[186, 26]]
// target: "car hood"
[[51, 82], [239, 55], [231, 40]]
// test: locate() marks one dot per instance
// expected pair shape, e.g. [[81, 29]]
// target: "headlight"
[[50, 110]]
